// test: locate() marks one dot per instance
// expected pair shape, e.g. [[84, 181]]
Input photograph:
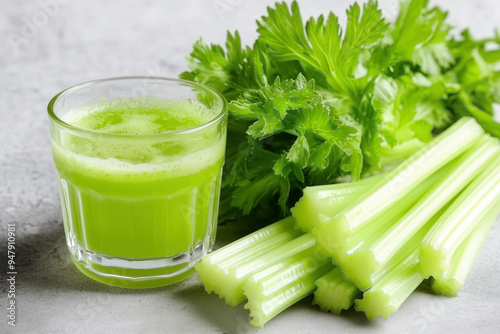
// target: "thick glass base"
[[136, 273], [133, 282]]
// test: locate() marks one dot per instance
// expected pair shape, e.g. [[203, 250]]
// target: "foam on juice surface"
[[140, 116], [137, 118]]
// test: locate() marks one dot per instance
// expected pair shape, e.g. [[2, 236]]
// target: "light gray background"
[[45, 49]]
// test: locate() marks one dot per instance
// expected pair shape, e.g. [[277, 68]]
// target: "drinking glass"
[[139, 208]]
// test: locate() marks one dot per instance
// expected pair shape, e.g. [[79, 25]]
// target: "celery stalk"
[[334, 293], [461, 262], [459, 221], [385, 297], [371, 258], [344, 251], [219, 270], [403, 179], [270, 293], [329, 200], [363, 279]]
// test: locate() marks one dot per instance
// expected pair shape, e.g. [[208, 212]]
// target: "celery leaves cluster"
[[310, 101]]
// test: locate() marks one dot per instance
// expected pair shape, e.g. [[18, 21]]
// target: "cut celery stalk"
[[343, 251], [219, 270], [363, 279], [461, 262], [456, 224], [371, 258], [270, 293], [292, 248], [385, 297], [334, 293], [403, 180], [276, 229], [329, 200]]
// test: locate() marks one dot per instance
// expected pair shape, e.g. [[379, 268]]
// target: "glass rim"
[[53, 117]]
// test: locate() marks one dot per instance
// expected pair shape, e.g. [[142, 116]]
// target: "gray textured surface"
[[85, 40]]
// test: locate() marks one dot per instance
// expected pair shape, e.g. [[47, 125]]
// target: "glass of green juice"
[[139, 161]]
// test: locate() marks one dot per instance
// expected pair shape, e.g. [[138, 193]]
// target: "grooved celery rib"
[[461, 262], [334, 293], [365, 279], [456, 224], [385, 297], [220, 271], [271, 293], [344, 252], [329, 200], [398, 278], [369, 259], [404, 178]]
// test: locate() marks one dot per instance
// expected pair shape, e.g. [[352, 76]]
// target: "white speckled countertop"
[[49, 45]]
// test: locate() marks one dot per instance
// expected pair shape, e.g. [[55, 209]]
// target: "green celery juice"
[[134, 204]]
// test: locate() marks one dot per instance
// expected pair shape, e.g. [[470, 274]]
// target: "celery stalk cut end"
[[335, 299], [304, 215], [325, 305], [331, 234], [211, 276], [433, 262], [446, 287], [359, 268], [258, 318], [375, 304]]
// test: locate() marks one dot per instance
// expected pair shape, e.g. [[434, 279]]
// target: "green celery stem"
[[402, 180], [383, 204], [219, 270], [450, 283], [357, 264], [334, 293], [328, 200], [460, 174], [385, 297], [272, 292], [458, 222]]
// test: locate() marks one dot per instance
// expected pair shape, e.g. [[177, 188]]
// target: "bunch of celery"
[[371, 243]]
